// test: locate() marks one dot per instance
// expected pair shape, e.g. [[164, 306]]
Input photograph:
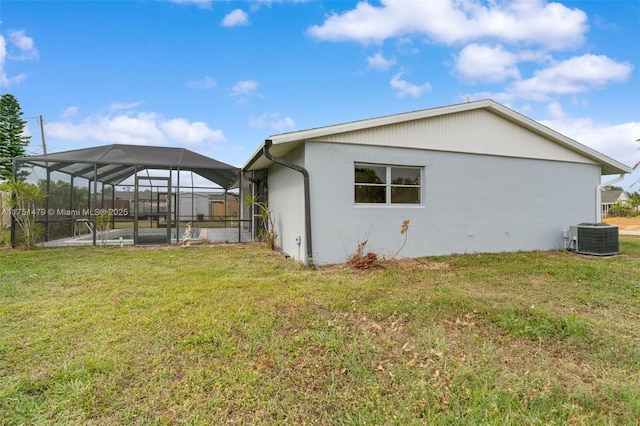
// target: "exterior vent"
[[598, 239]]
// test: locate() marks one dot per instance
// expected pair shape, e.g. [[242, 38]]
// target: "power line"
[[41, 122]]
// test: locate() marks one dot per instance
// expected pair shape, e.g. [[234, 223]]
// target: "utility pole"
[[41, 122], [44, 145]]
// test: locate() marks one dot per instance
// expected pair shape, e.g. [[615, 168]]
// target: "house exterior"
[[612, 198], [473, 177]]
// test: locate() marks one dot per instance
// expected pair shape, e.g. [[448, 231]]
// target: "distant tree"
[[12, 139], [611, 188], [634, 199], [60, 195]]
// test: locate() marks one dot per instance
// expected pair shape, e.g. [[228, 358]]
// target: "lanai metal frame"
[[114, 164]]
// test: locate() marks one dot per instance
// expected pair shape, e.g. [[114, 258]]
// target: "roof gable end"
[[481, 127]]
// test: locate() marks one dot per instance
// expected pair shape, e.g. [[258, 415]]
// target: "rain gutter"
[[599, 195], [307, 203]]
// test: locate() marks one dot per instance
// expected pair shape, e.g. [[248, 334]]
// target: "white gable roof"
[[481, 127]]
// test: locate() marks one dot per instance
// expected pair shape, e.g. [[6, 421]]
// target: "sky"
[[218, 77]]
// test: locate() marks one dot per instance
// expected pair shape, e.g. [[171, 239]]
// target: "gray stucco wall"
[[471, 203], [286, 201]]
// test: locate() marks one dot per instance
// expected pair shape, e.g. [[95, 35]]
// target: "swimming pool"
[[125, 237]]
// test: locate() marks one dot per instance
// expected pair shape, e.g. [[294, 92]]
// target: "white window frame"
[[389, 185]]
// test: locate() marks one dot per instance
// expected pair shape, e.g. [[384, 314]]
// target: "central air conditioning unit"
[[598, 239]]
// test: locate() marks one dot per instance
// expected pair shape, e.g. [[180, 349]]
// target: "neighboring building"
[[193, 205], [473, 177], [612, 198], [224, 205]]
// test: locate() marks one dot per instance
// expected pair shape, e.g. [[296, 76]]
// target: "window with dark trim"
[[383, 184]]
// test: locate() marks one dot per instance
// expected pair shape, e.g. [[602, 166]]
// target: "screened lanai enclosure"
[[145, 194]]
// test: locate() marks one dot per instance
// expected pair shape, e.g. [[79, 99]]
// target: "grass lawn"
[[236, 334]]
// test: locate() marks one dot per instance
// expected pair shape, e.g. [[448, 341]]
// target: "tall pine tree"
[[12, 139]]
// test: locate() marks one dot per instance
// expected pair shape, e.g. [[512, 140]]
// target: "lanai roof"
[[115, 163]]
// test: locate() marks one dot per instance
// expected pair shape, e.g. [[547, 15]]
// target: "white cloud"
[[270, 2], [576, 75], [204, 83], [236, 18], [20, 48], [403, 88], [190, 133], [273, 121], [552, 25], [69, 112], [26, 46], [244, 88], [122, 106], [27, 131], [9, 81], [256, 4], [203, 4], [616, 141], [555, 111], [143, 128], [4, 80], [571, 77], [478, 62], [379, 62], [140, 129]]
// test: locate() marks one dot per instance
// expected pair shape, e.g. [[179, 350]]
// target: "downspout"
[[599, 196], [307, 196]]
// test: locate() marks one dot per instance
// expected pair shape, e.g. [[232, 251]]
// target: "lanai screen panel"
[[81, 181]]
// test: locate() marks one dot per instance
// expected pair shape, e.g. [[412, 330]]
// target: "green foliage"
[[103, 223], [634, 199], [612, 188], [12, 138], [5, 237], [620, 209], [267, 228], [60, 195], [536, 324], [24, 208]]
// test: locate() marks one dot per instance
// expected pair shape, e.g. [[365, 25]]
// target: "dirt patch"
[[624, 223]]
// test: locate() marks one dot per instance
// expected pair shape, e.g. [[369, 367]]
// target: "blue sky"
[[218, 77]]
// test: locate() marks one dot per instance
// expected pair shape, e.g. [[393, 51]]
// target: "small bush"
[[620, 210]]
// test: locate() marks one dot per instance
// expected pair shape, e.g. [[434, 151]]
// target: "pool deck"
[[211, 235]]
